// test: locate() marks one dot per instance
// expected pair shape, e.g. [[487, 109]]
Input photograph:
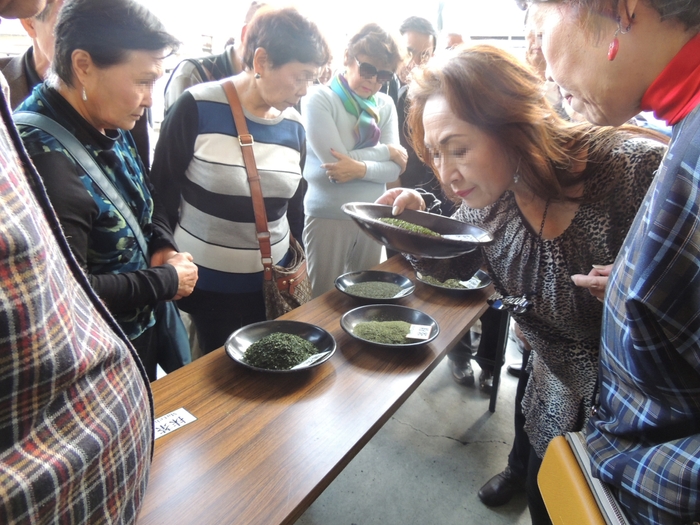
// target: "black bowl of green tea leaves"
[[417, 232], [280, 346], [373, 286], [390, 325]]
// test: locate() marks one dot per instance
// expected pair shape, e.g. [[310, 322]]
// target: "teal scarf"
[[366, 131]]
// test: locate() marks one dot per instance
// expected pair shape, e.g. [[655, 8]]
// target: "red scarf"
[[676, 91]]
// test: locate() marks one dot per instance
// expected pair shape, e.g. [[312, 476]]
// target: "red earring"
[[613, 48]]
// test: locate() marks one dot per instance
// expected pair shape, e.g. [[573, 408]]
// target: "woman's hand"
[[162, 255], [186, 273], [345, 170], [398, 155], [402, 199], [596, 281]]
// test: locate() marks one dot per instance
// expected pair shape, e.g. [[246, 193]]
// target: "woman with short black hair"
[[109, 53]]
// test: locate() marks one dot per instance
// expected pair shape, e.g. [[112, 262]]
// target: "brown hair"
[[490, 89], [287, 36], [376, 43]]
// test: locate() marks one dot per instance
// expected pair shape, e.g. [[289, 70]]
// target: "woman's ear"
[[28, 25], [83, 66], [346, 58], [260, 61], [626, 12]]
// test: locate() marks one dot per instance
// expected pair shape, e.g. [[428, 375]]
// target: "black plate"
[[482, 277], [348, 279], [239, 341], [388, 312], [366, 215]]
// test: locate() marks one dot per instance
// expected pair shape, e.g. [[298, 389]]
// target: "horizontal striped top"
[[199, 172]]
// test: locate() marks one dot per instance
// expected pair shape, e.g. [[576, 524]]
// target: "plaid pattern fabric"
[[645, 439], [75, 407]]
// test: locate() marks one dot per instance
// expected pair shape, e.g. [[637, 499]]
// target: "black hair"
[[420, 25], [287, 36], [374, 42], [108, 30]]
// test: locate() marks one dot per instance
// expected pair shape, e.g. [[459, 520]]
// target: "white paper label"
[[419, 331], [471, 283], [311, 360], [172, 421]]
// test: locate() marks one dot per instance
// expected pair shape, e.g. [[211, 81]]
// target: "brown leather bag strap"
[[246, 141]]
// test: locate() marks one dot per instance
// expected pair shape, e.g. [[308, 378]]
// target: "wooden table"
[[265, 446]]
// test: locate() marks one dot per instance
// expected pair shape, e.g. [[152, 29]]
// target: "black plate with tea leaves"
[[478, 281], [423, 327], [455, 237], [238, 342], [373, 286]]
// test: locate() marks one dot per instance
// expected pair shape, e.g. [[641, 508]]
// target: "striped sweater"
[[199, 173]]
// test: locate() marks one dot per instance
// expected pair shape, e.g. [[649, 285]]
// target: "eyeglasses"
[[419, 57], [368, 71]]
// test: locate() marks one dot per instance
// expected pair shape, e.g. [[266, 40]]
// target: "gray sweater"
[[329, 125]]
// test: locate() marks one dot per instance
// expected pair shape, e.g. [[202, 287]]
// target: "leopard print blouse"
[[563, 327]]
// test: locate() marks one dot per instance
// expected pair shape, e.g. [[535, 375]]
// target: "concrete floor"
[[427, 463]]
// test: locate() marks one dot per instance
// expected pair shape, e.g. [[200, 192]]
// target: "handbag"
[[173, 340], [284, 288], [173, 343]]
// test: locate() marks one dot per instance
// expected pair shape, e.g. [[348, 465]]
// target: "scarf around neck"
[[676, 91], [366, 130]]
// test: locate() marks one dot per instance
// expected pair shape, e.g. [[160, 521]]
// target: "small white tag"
[[419, 331], [471, 283], [311, 360], [172, 421]]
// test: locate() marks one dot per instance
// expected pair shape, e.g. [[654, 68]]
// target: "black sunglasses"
[[369, 71]]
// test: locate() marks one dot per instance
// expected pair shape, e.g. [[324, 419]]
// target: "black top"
[[77, 212]]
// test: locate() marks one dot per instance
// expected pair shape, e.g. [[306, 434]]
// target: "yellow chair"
[[565, 491]]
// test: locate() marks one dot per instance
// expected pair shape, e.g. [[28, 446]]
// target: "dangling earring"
[[516, 175], [84, 94], [614, 46], [257, 75]]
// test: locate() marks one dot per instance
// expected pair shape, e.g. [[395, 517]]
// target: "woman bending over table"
[[558, 199]]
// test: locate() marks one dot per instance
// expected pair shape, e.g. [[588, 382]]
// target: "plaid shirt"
[[75, 409], [645, 438]]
